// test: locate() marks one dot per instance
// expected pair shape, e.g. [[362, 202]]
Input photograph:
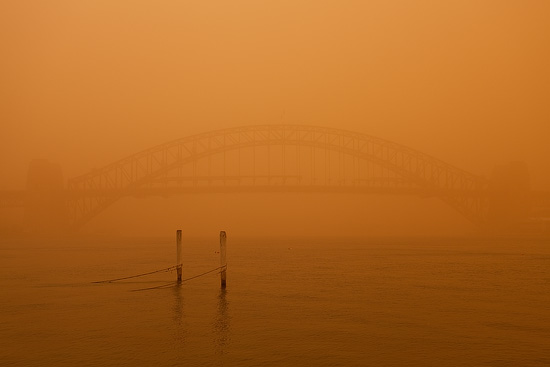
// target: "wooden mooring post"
[[178, 255], [223, 260]]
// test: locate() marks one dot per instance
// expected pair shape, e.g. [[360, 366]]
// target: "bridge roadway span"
[[273, 158]]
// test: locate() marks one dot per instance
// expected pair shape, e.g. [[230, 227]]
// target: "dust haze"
[[86, 83]]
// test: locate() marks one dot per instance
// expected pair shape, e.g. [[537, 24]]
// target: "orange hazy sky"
[[83, 83]]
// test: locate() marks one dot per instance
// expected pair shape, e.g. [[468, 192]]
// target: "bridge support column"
[[510, 201], [45, 209]]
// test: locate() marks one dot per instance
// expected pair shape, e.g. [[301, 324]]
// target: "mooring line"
[[174, 284], [168, 285], [207, 272], [140, 275]]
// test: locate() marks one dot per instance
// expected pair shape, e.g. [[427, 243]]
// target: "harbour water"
[[288, 302]]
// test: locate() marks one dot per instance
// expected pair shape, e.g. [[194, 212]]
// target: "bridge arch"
[[306, 149]]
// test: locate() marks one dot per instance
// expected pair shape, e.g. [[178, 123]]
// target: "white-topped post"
[[178, 255], [223, 260]]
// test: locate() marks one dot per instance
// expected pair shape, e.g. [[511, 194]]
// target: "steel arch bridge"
[[277, 158]]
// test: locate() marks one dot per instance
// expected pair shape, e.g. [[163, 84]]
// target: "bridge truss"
[[277, 158]]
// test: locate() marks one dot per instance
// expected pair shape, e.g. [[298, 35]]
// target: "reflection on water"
[[179, 315], [220, 320], [222, 323]]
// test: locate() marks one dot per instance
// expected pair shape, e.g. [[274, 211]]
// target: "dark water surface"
[[289, 302]]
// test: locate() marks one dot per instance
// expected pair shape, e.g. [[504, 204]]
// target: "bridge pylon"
[[509, 197], [45, 203]]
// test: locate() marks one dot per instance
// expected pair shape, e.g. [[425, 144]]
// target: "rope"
[[140, 275], [207, 272], [168, 285], [173, 284]]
